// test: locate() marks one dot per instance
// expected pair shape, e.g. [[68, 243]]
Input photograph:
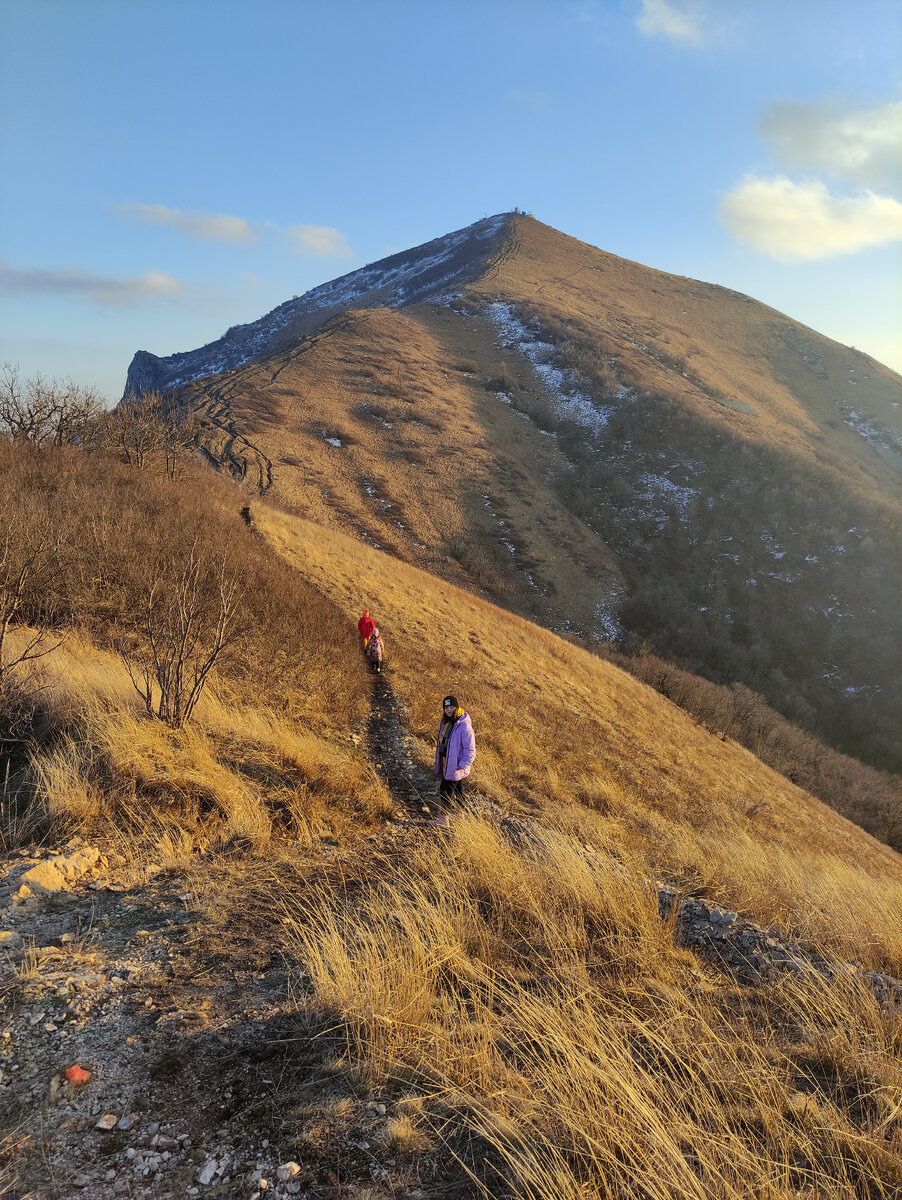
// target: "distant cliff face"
[[425, 272]]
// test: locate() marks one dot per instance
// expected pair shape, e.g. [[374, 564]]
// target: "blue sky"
[[174, 168]]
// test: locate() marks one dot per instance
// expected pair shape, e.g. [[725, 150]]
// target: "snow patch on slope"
[[426, 271], [559, 382]]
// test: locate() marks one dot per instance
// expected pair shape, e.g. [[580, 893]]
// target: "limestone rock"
[[55, 874], [206, 1173]]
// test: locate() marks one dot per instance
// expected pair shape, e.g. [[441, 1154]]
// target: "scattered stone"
[[107, 1122], [23, 892], [8, 938], [288, 1171], [127, 1122], [206, 1173]]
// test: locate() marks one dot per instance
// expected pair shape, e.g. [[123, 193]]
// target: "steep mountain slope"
[[597, 444], [570, 739], [235, 950]]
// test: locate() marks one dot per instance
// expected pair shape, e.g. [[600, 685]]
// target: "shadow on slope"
[[561, 732]]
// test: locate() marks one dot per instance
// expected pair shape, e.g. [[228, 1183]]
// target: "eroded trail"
[[412, 786]]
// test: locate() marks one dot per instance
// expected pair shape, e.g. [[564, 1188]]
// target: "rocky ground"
[[153, 1037]]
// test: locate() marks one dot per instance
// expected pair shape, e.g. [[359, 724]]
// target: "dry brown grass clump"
[[263, 748], [558, 1042], [561, 732], [237, 774]]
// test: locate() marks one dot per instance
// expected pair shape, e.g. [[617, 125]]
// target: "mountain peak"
[[424, 272]]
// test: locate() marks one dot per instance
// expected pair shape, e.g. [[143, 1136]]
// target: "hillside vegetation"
[[526, 1002], [565, 735], [612, 451], [281, 963], [85, 757]]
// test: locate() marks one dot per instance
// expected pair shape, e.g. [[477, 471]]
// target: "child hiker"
[[365, 626], [375, 651]]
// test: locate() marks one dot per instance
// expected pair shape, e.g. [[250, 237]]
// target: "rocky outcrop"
[[424, 272], [57, 873], [48, 873], [752, 954]]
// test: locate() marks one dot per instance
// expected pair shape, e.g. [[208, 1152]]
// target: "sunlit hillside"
[[611, 450], [569, 738], [236, 948]]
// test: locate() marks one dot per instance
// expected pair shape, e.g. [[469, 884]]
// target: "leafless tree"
[[29, 564], [184, 628], [45, 412], [148, 432]]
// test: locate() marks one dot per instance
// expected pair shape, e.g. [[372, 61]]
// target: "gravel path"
[[387, 743]]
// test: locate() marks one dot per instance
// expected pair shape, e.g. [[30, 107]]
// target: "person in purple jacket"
[[455, 749]]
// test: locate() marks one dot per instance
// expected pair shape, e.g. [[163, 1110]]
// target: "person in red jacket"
[[365, 626]]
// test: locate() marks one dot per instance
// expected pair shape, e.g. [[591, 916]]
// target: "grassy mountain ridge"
[[275, 961], [611, 450], [562, 730]]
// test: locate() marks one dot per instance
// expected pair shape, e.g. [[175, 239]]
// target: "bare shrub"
[[29, 565], [183, 629], [500, 380], [372, 410], [414, 454], [45, 412], [149, 432]]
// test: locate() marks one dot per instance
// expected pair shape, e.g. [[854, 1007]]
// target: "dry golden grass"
[[565, 735], [434, 468], [737, 347], [431, 467], [543, 1011], [236, 773]]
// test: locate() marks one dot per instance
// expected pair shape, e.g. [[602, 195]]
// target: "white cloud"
[[538, 102], [684, 23], [860, 144], [192, 224], [76, 281], [320, 239], [790, 221]]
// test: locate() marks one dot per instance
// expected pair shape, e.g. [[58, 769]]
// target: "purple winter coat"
[[461, 749]]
